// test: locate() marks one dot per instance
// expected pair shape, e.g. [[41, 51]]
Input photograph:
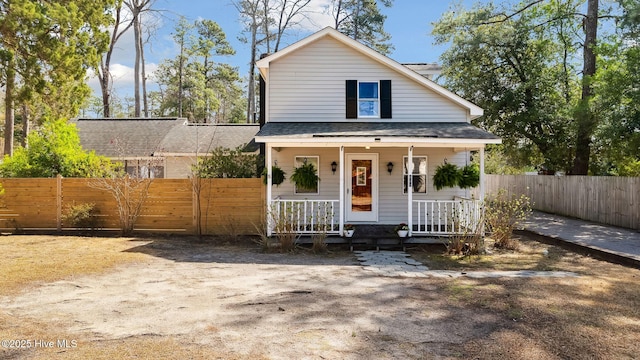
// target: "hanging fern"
[[277, 175], [447, 175], [469, 176], [305, 176]]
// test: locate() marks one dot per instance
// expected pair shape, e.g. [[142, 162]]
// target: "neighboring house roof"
[[372, 132], [186, 140], [263, 65], [145, 137], [425, 69]]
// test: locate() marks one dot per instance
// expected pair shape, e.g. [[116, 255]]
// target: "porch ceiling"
[[378, 134]]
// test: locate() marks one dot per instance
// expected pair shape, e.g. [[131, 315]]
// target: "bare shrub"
[[503, 214], [470, 239], [284, 228], [130, 194], [323, 218]]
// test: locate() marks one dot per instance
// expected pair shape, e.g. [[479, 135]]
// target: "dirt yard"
[[176, 298]]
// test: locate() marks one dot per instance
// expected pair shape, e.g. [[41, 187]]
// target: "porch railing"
[[446, 217], [304, 216]]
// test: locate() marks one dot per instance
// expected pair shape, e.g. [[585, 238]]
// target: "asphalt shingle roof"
[[441, 130], [140, 137]]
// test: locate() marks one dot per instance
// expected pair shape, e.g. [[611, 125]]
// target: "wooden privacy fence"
[[225, 205], [603, 199]]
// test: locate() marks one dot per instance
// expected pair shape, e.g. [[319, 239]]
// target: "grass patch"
[[531, 255], [36, 259]]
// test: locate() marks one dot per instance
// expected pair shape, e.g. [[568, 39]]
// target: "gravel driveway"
[[246, 302]]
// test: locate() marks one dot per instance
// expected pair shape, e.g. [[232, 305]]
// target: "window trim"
[[424, 175]]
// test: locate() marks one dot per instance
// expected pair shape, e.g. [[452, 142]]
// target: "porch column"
[[341, 204], [269, 183], [409, 188], [482, 174]]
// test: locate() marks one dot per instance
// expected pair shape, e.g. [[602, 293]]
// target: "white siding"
[[309, 85], [392, 202]]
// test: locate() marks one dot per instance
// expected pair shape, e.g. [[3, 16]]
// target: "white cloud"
[[123, 79]]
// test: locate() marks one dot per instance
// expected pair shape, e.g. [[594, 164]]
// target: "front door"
[[361, 187]]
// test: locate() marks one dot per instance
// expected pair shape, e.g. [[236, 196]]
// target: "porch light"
[[389, 167], [334, 167]]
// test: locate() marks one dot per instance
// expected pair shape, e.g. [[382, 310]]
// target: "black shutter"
[[352, 99], [385, 99]]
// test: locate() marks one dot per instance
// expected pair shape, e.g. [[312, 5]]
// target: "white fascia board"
[[382, 142]]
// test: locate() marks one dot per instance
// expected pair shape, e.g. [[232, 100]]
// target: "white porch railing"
[[446, 217], [304, 216]]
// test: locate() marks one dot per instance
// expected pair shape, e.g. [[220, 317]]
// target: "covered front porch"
[[372, 174]]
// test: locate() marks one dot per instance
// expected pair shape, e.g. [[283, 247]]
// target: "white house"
[[366, 122]]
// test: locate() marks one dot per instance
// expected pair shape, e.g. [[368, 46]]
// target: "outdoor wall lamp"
[[389, 167], [334, 167]]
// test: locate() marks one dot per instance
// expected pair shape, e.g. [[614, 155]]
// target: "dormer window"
[[368, 99]]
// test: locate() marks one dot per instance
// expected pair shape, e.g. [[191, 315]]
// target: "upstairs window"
[[368, 99]]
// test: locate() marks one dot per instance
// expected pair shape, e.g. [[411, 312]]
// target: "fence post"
[[59, 202]]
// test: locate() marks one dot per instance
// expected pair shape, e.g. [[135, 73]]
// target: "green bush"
[[83, 216], [228, 163], [55, 150]]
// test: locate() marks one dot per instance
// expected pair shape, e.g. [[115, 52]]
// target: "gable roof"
[[145, 137], [263, 65]]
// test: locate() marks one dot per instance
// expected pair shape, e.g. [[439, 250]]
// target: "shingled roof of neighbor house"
[[143, 137], [205, 137], [440, 130]]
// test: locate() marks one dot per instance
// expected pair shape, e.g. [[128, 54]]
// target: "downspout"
[[410, 189]]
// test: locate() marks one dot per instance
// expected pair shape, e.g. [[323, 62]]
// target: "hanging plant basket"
[[469, 176], [446, 175], [305, 176], [277, 175]]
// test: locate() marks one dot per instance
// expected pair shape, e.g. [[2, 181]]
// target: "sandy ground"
[[246, 302]]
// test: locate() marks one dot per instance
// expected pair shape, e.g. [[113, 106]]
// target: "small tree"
[[55, 150]]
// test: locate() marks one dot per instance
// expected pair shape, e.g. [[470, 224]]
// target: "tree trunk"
[[136, 80], [180, 75], [145, 103], [251, 101], [106, 95], [585, 119], [25, 125], [9, 122]]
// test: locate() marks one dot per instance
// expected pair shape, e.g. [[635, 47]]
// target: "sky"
[[408, 21]]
